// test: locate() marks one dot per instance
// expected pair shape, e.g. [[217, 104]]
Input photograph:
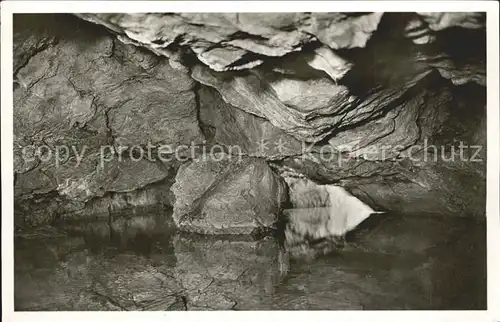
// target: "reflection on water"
[[143, 263], [308, 233]]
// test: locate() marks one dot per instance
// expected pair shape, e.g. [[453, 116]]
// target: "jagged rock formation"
[[235, 40], [377, 103], [83, 91], [242, 132]]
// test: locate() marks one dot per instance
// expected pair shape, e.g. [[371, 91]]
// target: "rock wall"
[[390, 106], [84, 95], [227, 196]]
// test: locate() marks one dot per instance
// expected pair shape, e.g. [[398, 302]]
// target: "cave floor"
[[143, 263]]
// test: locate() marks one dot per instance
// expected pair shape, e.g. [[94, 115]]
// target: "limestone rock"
[[392, 163], [442, 20], [461, 74], [227, 41], [224, 194], [326, 60], [343, 85], [242, 132], [251, 93], [79, 94]]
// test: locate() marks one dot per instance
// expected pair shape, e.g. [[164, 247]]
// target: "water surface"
[[144, 263]]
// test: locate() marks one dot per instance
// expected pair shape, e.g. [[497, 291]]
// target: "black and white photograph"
[[335, 160]]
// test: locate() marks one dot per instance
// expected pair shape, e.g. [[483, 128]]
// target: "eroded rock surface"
[[243, 133], [227, 41], [371, 112], [422, 168], [346, 99], [320, 41], [225, 194], [82, 94]]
